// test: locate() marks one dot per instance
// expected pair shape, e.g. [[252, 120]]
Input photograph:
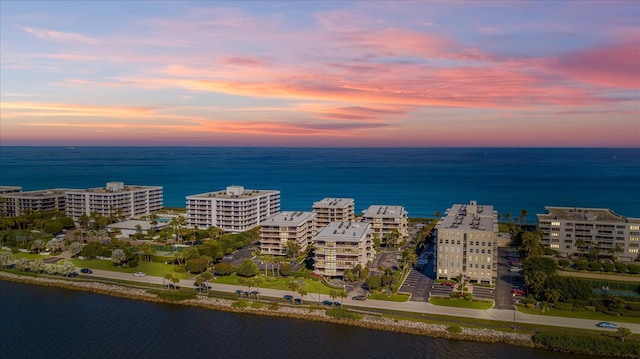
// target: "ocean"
[[423, 180]]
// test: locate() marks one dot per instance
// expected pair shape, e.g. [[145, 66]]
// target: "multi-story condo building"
[[116, 198], [10, 189], [581, 230], [334, 210], [235, 209], [385, 220], [342, 245], [283, 228], [14, 204], [467, 238]]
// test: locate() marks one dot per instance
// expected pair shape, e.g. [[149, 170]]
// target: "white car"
[[139, 274], [515, 269]]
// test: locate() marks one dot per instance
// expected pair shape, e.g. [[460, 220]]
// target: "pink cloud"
[[59, 35], [615, 66]]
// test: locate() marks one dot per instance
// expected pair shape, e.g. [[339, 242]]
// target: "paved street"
[[504, 315]]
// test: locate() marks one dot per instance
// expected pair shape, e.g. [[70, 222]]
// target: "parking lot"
[[507, 280]]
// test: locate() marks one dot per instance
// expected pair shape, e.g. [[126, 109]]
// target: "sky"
[[320, 73]]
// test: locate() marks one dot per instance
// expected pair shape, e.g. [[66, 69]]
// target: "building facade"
[[116, 198], [334, 210], [342, 245], [385, 220], [583, 230], [10, 189], [287, 227], [14, 204], [234, 209], [467, 243]]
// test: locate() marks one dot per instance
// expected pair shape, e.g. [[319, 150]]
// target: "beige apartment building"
[[387, 219], [342, 245], [287, 227], [334, 210], [580, 230], [467, 243], [234, 209], [10, 189], [116, 198], [15, 203]]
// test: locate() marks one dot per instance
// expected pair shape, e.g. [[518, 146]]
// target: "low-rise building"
[[583, 230], [234, 209], [115, 199], [334, 210], [387, 221], [342, 245], [10, 189], [284, 229], [467, 238], [14, 204]]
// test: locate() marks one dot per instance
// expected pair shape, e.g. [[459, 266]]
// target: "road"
[[410, 306]]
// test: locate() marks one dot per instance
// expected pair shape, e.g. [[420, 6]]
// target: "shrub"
[[595, 266], [285, 269], [180, 269], [454, 329], [563, 306], [590, 308], [563, 263], [581, 265], [587, 344], [608, 267], [342, 313], [239, 304], [133, 263], [468, 296], [633, 268], [223, 268], [621, 267], [374, 282]]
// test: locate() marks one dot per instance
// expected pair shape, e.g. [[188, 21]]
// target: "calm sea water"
[[423, 180], [41, 322]]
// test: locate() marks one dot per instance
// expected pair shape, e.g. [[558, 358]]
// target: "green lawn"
[[581, 315], [281, 283], [154, 269], [391, 297], [461, 303]]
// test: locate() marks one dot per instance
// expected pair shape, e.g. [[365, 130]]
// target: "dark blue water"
[[423, 180], [41, 322]]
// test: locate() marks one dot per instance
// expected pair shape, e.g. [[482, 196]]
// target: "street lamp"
[[515, 302]]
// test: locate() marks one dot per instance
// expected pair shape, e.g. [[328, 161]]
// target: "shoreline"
[[308, 314]]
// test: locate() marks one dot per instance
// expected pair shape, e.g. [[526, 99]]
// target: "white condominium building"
[[580, 230], [334, 210], [467, 243], [16, 203], [287, 227], [342, 245], [10, 189], [387, 219], [235, 209], [116, 198]]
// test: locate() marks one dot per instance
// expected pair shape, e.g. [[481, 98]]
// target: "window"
[[483, 251], [483, 244], [634, 228], [482, 266], [555, 223], [633, 250], [488, 251]]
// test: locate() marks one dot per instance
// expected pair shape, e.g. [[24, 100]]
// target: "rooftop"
[[334, 203], [115, 187], [235, 192], [584, 214], [288, 219], [378, 211], [343, 232], [38, 193], [469, 217]]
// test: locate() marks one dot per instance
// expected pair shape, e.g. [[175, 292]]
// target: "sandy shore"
[[305, 313]]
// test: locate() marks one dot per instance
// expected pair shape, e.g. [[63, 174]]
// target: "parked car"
[[607, 325], [73, 274], [139, 274], [86, 271], [288, 297], [515, 269], [336, 304], [297, 301], [254, 293], [518, 291], [327, 302], [172, 286], [201, 289], [359, 297], [447, 284]]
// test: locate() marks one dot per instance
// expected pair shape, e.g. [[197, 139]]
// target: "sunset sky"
[[325, 73]]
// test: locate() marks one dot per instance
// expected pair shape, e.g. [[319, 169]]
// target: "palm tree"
[[615, 251], [624, 332], [531, 246], [294, 286], [581, 246], [523, 216]]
